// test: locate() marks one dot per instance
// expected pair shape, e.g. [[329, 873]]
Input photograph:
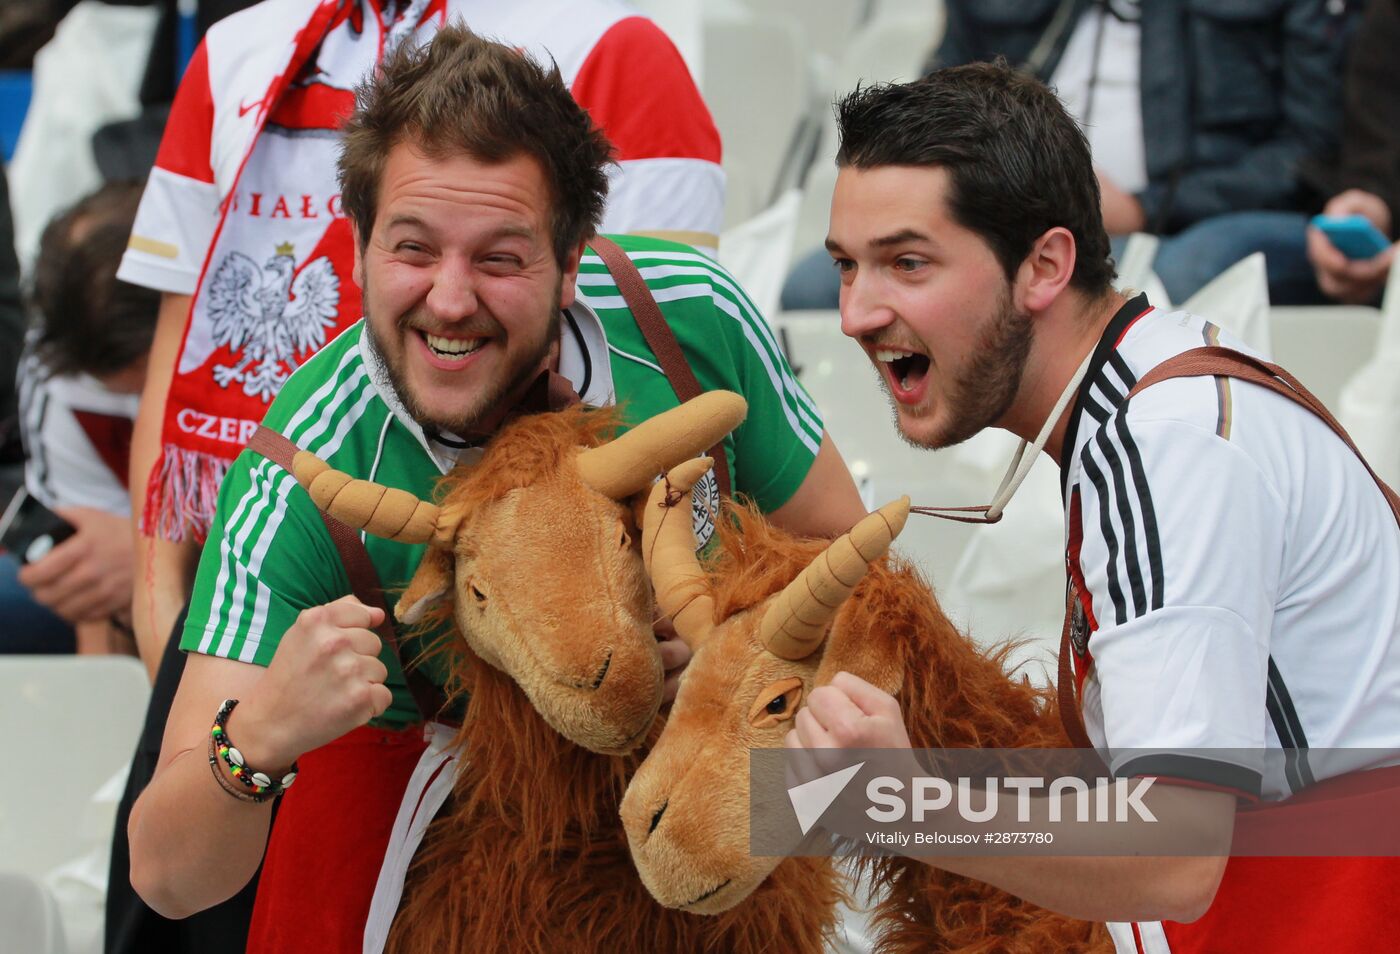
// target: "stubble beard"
[[980, 396], [485, 405]]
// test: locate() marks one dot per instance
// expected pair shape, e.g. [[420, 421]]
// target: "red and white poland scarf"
[[276, 282]]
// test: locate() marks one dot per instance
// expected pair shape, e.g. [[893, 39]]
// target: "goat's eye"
[[477, 595], [778, 702]]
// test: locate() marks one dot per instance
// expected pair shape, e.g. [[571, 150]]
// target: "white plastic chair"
[[757, 252], [1135, 272], [69, 723], [814, 213], [1238, 300], [756, 83], [29, 919], [1369, 406], [826, 25], [1009, 582], [1325, 345]]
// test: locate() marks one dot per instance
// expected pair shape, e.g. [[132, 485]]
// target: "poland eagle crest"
[[267, 319]]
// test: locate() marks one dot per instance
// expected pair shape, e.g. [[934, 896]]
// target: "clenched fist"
[[325, 680]]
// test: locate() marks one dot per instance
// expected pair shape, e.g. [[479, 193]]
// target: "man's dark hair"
[[1018, 164], [464, 94], [89, 321]]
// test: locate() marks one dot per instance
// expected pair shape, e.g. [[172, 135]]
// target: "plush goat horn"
[[668, 550], [383, 511], [622, 467], [796, 620]]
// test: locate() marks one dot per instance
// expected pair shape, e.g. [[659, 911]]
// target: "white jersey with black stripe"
[[1238, 571]]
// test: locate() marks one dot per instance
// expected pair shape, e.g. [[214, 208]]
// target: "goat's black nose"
[[602, 673], [656, 819]]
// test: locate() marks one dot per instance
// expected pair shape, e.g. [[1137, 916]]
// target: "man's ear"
[[358, 273], [854, 647], [1045, 271], [430, 584], [568, 280]]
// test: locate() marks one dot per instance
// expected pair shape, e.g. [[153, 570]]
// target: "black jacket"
[[1236, 94], [1370, 157]]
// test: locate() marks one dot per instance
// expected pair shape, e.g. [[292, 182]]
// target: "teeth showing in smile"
[[457, 348], [903, 364]]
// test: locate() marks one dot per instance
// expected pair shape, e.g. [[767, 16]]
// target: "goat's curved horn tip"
[[896, 512], [683, 476], [724, 404]]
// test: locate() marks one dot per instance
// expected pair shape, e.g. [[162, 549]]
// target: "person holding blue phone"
[[1350, 266], [1347, 267]]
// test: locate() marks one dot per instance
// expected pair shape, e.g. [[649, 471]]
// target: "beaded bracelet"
[[221, 777], [258, 783]]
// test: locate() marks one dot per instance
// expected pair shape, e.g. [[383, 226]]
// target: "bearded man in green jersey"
[[473, 183]]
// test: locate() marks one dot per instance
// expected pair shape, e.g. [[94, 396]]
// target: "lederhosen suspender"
[[364, 580], [1199, 362]]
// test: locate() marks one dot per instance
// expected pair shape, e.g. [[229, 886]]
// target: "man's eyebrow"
[[898, 238], [408, 220], [513, 231], [405, 219], [884, 241]]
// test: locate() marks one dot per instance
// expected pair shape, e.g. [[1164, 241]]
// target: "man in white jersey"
[[1235, 564], [473, 182]]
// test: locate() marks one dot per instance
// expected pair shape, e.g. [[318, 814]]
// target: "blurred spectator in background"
[[1198, 115], [1367, 180], [11, 344], [79, 383], [25, 26], [102, 86]]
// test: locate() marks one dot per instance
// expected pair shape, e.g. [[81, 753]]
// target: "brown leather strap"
[[659, 336], [1198, 362], [364, 580], [1226, 362]]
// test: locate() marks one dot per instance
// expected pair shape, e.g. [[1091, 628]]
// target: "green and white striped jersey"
[[268, 555]]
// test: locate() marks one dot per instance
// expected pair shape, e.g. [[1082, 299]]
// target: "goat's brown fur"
[[530, 856], [525, 450]]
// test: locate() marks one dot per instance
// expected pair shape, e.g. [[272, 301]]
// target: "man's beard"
[[478, 410], [979, 397]]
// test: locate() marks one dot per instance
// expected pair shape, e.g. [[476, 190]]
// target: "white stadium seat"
[[757, 252], [29, 918], [756, 83], [1238, 300], [70, 724]]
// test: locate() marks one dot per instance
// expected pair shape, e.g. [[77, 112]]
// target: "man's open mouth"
[[452, 349], [907, 368]]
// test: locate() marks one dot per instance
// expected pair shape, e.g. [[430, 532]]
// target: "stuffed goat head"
[[534, 547], [686, 810]]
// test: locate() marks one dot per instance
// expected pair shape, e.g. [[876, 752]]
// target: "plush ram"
[[771, 620]]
